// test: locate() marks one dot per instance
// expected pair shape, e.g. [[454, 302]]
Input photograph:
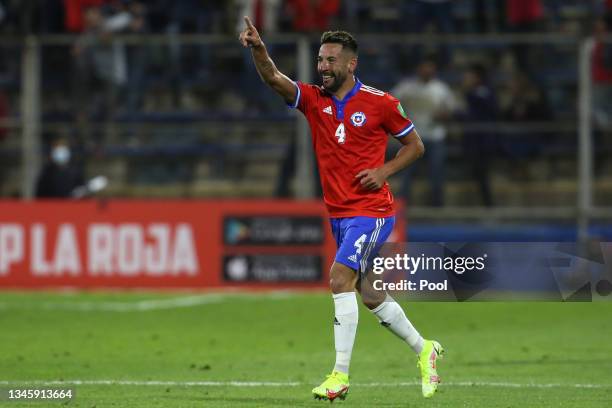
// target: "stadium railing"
[[196, 67]]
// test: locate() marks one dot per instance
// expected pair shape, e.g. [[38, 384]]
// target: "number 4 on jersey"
[[340, 133]]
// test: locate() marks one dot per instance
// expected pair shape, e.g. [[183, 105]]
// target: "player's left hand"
[[371, 179]]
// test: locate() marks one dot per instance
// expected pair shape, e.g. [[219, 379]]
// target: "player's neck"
[[345, 88]]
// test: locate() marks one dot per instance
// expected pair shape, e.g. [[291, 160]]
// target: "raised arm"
[[268, 72]]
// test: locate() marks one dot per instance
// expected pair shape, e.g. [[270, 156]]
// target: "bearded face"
[[334, 65]]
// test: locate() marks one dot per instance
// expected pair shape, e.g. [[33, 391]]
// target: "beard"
[[336, 82]]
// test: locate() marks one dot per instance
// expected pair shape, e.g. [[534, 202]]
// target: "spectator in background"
[[101, 62], [136, 58], [266, 14], [524, 16], [428, 15], [526, 103], [602, 72], [59, 176], [481, 108], [312, 15], [75, 13], [429, 102]]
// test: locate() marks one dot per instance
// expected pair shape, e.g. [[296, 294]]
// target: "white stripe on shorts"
[[364, 260]]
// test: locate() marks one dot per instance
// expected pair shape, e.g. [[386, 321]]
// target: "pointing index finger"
[[247, 20]]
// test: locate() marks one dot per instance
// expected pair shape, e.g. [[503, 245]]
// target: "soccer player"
[[350, 122]]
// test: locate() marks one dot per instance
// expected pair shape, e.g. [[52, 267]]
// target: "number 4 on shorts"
[[359, 243]]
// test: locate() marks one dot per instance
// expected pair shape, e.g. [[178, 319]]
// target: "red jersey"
[[348, 136]]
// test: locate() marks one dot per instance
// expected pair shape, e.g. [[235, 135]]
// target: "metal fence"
[[165, 108]]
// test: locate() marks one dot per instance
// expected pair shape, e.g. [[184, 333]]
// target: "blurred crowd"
[[108, 80], [210, 16]]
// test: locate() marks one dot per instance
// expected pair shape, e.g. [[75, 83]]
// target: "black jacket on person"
[[57, 181]]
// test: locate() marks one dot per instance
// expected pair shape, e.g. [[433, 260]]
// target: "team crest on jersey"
[[358, 119]]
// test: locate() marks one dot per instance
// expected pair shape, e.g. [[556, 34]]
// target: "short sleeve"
[[395, 120], [306, 96]]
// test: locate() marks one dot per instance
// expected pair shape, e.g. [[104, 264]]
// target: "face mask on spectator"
[[60, 155]]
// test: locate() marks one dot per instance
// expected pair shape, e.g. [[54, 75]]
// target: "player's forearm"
[[268, 72], [263, 63], [405, 156]]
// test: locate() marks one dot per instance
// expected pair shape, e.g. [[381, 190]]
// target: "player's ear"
[[352, 65]]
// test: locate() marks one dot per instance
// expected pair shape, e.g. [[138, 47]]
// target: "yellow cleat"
[[432, 351], [336, 385]]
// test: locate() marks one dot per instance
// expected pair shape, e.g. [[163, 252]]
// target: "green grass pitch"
[[247, 350]]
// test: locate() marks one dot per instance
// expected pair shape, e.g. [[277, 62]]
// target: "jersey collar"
[[340, 104], [350, 94]]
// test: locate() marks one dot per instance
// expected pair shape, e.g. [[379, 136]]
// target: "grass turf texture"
[[270, 338]]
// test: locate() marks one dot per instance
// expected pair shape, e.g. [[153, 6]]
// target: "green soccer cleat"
[[432, 351], [336, 385]]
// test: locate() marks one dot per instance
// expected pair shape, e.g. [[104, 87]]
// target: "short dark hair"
[[343, 38]]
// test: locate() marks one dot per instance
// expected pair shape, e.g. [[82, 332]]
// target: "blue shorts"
[[359, 239]]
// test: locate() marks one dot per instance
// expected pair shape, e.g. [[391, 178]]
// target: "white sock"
[[345, 328], [392, 316]]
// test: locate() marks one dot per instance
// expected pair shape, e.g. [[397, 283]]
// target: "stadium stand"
[[184, 118]]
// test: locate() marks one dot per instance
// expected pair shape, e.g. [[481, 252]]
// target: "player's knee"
[[342, 279], [340, 284]]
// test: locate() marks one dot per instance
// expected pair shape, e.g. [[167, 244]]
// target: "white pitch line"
[[106, 306], [144, 305], [157, 383], [295, 384], [492, 384]]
